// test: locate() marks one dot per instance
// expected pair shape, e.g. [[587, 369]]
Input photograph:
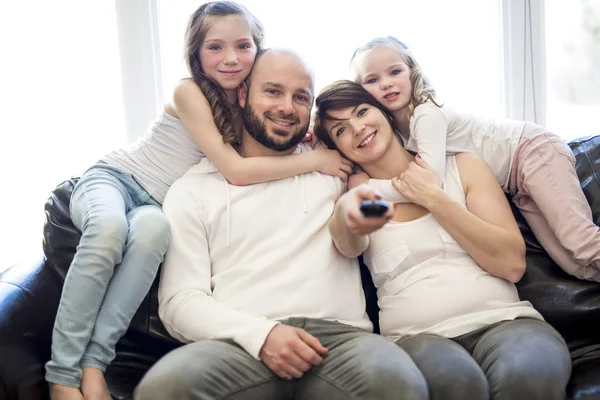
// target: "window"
[[62, 108], [573, 67], [460, 54], [65, 104]]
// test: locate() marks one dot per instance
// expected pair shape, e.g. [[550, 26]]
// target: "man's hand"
[[289, 352], [356, 222]]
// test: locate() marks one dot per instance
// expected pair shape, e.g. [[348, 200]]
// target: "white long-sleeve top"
[[436, 132], [243, 257]]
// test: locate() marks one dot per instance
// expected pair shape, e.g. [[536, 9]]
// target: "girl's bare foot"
[[61, 392], [93, 385]]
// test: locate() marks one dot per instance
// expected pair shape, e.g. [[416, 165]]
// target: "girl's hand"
[[331, 162], [357, 178], [311, 138], [418, 183]]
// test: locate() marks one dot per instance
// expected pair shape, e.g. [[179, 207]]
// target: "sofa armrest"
[[29, 296]]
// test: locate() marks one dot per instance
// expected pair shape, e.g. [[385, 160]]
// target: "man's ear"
[[242, 94]]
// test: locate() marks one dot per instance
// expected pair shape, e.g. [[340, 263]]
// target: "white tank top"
[[160, 157], [427, 283]]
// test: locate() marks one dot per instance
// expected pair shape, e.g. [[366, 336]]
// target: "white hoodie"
[[243, 257]]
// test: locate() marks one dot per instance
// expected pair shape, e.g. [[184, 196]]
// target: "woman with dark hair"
[[444, 262]]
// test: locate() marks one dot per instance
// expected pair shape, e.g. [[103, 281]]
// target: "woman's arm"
[[194, 111], [349, 228], [347, 243], [486, 229]]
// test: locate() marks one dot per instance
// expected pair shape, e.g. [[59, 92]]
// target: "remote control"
[[373, 209]]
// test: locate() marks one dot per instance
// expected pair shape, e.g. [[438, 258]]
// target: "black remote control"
[[373, 209]]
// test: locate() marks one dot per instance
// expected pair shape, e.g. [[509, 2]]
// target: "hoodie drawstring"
[[304, 208], [228, 211]]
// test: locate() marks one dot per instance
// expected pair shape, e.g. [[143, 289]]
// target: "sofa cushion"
[[571, 305], [60, 235]]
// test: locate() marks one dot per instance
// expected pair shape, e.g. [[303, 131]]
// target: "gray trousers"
[[524, 359], [359, 365]]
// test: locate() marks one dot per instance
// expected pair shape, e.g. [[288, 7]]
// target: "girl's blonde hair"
[[227, 116], [422, 89]]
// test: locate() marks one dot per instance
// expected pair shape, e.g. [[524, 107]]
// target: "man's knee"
[[381, 381], [182, 371], [149, 389], [207, 369], [172, 381]]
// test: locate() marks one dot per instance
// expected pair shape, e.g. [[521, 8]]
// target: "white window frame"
[[524, 51], [524, 86], [139, 48]]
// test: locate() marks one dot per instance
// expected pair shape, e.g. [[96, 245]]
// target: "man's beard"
[[257, 129]]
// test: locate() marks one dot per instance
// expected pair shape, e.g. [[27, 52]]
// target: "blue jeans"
[[124, 238]]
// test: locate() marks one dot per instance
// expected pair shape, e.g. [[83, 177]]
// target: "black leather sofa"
[[29, 295]]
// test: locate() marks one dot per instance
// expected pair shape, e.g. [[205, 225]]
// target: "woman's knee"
[[457, 380], [450, 371], [537, 367], [532, 382]]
